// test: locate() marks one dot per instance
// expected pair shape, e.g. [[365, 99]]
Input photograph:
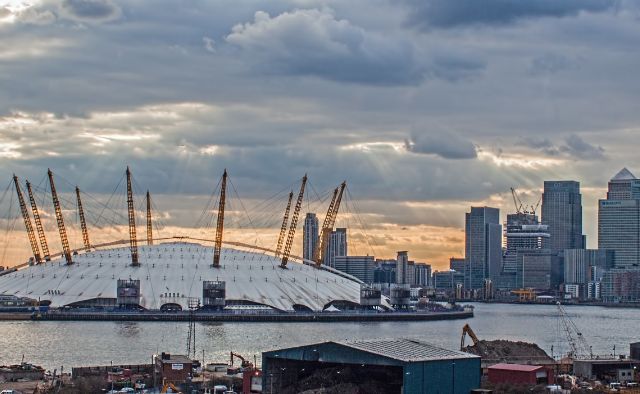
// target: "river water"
[[55, 344]]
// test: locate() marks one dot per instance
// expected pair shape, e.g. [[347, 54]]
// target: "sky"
[[424, 107]]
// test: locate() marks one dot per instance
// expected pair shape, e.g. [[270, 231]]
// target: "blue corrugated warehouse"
[[406, 366]]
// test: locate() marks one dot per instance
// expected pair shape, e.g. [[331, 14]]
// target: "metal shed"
[[406, 366]]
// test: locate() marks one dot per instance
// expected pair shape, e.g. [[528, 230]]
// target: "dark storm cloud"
[[445, 145], [315, 42], [274, 89], [577, 147], [427, 14], [93, 10], [573, 146]]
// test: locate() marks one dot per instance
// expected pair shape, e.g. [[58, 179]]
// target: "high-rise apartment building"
[[337, 246], [562, 212], [423, 275], [619, 220], [483, 246], [310, 235], [402, 267]]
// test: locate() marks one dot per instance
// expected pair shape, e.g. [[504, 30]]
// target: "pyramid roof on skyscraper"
[[624, 175]]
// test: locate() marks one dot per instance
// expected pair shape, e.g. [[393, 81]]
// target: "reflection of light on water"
[[128, 329]]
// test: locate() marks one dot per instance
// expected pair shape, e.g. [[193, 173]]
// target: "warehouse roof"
[[406, 350], [516, 367]]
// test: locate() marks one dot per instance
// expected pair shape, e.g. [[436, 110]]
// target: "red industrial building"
[[522, 374], [174, 369]]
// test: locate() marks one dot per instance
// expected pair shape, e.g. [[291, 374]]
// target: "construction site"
[[516, 366]]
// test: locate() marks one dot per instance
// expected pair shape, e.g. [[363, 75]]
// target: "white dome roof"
[[172, 272]]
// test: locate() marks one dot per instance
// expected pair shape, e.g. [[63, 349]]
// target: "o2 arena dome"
[[177, 274], [171, 273]]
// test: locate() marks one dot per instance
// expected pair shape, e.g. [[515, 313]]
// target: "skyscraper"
[[562, 212], [402, 267], [619, 220], [483, 246], [337, 246], [309, 235], [523, 232], [362, 267]]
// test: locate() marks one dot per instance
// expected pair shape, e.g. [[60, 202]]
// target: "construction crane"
[[294, 224], [66, 251], [149, 223], [521, 207], [329, 222], [516, 201], [220, 224], [27, 222], [133, 241], [83, 222], [534, 208], [283, 228], [577, 343], [39, 228], [466, 330]]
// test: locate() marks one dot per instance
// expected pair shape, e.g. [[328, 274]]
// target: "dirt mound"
[[502, 351]]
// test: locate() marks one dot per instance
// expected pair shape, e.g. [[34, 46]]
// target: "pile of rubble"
[[502, 351]]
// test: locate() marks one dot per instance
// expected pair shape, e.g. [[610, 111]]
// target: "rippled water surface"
[[52, 344]]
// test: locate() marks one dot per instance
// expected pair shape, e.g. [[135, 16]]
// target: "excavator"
[[169, 385], [467, 330], [244, 364]]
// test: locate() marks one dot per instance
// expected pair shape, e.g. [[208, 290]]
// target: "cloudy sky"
[[425, 107]]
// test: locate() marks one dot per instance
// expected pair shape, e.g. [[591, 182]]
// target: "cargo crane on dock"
[[294, 223], [283, 228], [220, 223], [579, 348], [66, 250], [27, 222], [327, 225]]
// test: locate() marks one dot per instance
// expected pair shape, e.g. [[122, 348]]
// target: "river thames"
[[54, 344]]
